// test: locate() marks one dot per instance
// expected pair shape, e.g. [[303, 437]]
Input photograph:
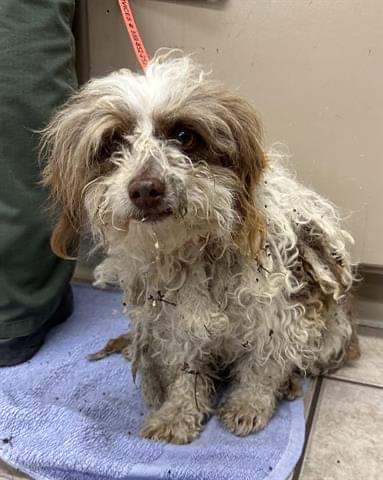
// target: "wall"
[[313, 68]]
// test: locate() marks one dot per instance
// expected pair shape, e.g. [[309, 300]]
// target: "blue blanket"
[[62, 417]]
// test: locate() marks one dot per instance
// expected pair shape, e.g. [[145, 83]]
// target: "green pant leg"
[[36, 76]]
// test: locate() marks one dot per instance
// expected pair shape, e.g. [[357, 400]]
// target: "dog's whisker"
[[100, 213], [97, 179], [115, 227]]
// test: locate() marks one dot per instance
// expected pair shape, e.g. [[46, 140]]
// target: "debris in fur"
[[186, 369], [261, 267], [208, 331], [160, 298]]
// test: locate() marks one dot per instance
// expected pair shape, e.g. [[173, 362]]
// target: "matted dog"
[[233, 271]]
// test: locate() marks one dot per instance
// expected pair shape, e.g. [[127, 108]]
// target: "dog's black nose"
[[146, 192]]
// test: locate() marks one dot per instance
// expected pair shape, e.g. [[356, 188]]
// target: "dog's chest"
[[207, 308]]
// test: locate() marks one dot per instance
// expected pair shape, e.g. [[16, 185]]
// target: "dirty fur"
[[248, 280]]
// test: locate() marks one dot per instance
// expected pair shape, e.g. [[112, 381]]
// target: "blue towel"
[[63, 417]]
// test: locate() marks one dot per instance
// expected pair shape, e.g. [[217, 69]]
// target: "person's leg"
[[36, 76]]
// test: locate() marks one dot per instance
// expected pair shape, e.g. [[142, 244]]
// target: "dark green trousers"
[[36, 76]]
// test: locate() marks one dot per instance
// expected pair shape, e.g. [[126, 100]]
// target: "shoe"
[[14, 351]]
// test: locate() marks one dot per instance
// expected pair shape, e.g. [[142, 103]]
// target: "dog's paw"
[[245, 417], [291, 390], [177, 429]]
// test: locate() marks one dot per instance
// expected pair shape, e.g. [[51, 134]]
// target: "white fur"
[[199, 303]]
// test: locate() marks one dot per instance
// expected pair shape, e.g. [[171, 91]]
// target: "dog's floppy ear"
[[65, 238], [73, 146], [66, 150], [250, 163]]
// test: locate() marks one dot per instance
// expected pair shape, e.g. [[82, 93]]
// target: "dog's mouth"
[[153, 217]]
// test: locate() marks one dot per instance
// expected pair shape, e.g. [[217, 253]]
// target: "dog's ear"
[[250, 163], [65, 238], [66, 150], [75, 146]]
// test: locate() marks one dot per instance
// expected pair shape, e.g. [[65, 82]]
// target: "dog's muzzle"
[[148, 195]]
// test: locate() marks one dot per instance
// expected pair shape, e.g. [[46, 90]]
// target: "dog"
[[233, 272]]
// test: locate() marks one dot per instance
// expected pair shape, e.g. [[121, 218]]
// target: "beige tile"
[[9, 473], [4, 473], [346, 437], [369, 368]]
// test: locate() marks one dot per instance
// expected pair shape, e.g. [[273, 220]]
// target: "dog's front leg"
[[152, 383], [180, 418], [252, 396]]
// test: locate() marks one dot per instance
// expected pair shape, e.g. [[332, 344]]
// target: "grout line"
[[369, 331], [364, 322], [309, 424], [354, 382]]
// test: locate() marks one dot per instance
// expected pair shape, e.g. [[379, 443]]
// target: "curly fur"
[[246, 282]]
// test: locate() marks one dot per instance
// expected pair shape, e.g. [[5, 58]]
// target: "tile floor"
[[344, 415], [344, 412]]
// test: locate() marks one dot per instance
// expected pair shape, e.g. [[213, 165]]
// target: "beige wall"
[[313, 68]]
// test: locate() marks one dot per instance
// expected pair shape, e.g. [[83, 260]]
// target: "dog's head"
[[166, 151]]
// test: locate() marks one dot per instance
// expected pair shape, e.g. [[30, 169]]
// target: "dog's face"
[[168, 150]]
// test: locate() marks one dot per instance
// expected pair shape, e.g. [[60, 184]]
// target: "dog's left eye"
[[186, 137]]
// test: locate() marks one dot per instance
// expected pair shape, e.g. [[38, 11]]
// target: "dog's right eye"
[[109, 145]]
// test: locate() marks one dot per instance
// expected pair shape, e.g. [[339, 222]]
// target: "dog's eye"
[[186, 137], [110, 144]]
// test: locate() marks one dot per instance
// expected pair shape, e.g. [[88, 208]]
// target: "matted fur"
[[250, 275]]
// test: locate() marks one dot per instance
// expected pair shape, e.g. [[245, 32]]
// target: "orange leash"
[[134, 35]]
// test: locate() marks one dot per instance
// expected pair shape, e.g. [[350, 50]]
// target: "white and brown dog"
[[234, 271]]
